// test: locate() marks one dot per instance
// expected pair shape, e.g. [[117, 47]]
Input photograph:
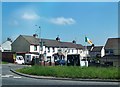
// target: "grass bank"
[[73, 72]]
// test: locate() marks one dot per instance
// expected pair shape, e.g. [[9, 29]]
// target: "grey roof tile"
[[51, 43], [113, 43]]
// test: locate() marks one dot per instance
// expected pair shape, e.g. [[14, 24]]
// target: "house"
[[6, 46], [50, 51], [97, 51], [112, 52], [1, 50]]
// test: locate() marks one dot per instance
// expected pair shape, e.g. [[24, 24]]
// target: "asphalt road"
[[10, 79]]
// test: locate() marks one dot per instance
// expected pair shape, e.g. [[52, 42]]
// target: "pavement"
[[58, 78]]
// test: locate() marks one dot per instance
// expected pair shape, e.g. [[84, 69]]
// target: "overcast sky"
[[70, 20]]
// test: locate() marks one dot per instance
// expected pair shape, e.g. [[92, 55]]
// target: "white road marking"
[[9, 75], [6, 76], [16, 77]]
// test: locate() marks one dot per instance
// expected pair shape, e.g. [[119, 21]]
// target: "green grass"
[[73, 72], [4, 62]]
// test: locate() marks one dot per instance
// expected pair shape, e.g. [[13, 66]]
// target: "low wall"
[[8, 57]]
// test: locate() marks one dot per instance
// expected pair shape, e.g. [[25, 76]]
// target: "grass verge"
[[73, 72], [4, 62]]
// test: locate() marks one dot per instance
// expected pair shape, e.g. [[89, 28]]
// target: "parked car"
[[60, 62], [31, 59], [19, 59]]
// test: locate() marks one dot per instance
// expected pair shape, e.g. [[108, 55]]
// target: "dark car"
[[60, 62]]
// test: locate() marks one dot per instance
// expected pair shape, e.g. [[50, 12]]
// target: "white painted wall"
[[64, 51], [32, 48], [6, 45], [1, 49], [102, 52]]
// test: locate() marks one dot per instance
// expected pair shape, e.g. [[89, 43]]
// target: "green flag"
[[85, 39]]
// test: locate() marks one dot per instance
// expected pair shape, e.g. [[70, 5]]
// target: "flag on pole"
[[88, 40]]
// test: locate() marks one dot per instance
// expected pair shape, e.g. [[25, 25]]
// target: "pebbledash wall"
[[50, 51]]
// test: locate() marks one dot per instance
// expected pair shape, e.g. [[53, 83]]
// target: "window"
[[68, 50], [106, 51], [59, 50], [48, 49], [80, 51], [109, 52], [53, 49], [35, 47], [72, 50]]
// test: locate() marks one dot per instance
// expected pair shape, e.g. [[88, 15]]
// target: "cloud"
[[30, 16], [62, 21]]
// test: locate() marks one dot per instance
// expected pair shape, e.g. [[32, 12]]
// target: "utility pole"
[[39, 36]]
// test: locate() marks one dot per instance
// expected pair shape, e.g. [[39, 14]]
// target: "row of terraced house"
[[52, 52]]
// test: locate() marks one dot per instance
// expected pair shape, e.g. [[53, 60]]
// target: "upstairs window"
[[35, 47], [53, 49], [48, 49], [68, 50], [72, 50], [109, 52]]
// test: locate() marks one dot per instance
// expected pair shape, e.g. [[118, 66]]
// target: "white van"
[[29, 58], [19, 59]]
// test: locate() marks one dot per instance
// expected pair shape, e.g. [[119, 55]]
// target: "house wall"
[[94, 54], [6, 46], [84, 53], [32, 48], [49, 52], [20, 45], [72, 51], [99, 53], [116, 52], [102, 52]]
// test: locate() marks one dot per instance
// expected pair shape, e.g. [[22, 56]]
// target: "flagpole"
[[86, 51], [86, 56]]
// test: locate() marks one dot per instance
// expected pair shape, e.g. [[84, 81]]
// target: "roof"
[[31, 39], [51, 43], [112, 43], [97, 48], [88, 48]]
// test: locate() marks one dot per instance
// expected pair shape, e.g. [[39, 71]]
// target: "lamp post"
[[40, 47]]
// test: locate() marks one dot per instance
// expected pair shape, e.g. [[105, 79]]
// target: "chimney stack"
[[74, 41], [9, 39], [35, 35], [58, 39]]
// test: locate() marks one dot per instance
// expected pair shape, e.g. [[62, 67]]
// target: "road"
[[10, 79]]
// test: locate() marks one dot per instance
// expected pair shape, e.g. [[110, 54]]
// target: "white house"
[[6, 46], [49, 50], [1, 49]]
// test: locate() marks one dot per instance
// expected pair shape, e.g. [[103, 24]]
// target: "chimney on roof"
[[9, 39], [92, 46], [35, 35], [74, 41], [58, 39]]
